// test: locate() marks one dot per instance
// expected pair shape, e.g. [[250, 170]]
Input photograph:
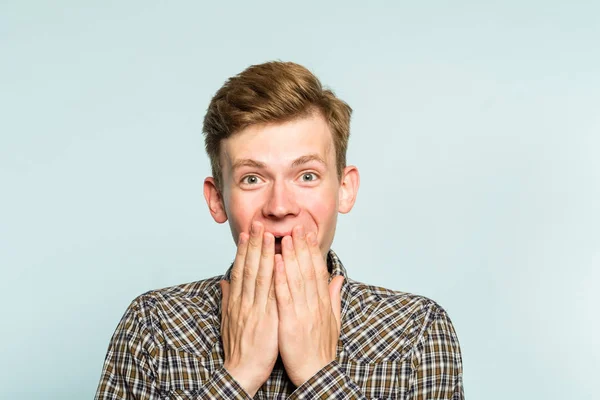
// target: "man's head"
[[277, 144]]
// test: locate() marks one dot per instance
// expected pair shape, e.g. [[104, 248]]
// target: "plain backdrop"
[[476, 130]]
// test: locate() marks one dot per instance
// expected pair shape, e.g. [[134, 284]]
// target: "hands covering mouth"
[[279, 302]]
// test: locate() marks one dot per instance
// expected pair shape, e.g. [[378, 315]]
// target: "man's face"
[[283, 175]]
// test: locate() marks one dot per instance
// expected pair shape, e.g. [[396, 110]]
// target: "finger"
[[282, 291], [237, 272], [265, 270], [224, 304], [295, 281], [272, 297], [224, 297], [320, 266], [251, 263], [335, 293], [306, 267]]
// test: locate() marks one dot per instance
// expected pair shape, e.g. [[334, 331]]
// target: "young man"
[[285, 321]]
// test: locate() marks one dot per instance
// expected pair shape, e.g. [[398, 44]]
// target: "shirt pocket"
[[377, 380], [182, 373]]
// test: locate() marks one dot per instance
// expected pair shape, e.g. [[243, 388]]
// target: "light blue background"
[[476, 131]]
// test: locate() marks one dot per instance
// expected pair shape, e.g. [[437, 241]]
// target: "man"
[[285, 321]]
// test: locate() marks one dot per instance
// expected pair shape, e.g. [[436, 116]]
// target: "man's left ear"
[[348, 189]]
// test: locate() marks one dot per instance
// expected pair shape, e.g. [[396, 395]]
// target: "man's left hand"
[[309, 308]]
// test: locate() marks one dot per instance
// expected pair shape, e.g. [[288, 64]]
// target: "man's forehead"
[[302, 160], [261, 146]]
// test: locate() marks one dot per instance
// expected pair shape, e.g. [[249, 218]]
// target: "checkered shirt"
[[392, 345]]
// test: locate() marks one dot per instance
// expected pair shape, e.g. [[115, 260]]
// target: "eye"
[[309, 177], [250, 180]]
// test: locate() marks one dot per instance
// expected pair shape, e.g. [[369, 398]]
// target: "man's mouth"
[[278, 244]]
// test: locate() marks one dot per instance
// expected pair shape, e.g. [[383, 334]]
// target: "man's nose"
[[281, 201]]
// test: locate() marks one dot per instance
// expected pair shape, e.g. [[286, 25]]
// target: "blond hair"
[[272, 92]]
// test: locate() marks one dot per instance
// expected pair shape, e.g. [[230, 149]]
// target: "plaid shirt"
[[392, 345]]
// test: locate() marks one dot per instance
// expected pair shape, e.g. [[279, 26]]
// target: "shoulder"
[[394, 322], [185, 317], [397, 304], [204, 294]]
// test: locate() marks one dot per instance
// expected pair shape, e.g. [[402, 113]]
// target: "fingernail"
[[313, 238], [288, 243], [255, 227], [301, 232], [268, 238]]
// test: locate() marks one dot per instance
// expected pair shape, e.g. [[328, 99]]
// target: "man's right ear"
[[214, 200]]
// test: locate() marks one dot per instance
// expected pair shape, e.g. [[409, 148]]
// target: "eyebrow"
[[308, 158], [248, 162]]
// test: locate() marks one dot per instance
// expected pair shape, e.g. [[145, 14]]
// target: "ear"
[[348, 189], [214, 200]]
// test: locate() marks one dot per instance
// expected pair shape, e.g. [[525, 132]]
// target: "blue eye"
[[250, 179], [308, 177]]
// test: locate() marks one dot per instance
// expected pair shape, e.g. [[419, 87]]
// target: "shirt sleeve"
[[329, 383], [437, 363], [130, 367]]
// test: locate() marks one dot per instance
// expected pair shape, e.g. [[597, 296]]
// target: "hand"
[[308, 308], [249, 311]]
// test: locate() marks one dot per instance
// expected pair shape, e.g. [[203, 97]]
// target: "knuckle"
[[248, 272], [262, 281], [230, 310], [310, 275], [323, 273], [298, 283], [236, 275]]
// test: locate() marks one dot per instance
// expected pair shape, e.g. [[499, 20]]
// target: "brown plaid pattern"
[[392, 345]]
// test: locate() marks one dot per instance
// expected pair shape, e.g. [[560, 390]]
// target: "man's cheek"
[[324, 212], [242, 210]]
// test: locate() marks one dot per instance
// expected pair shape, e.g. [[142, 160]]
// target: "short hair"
[[273, 92]]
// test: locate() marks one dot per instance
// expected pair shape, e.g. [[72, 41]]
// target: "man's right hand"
[[249, 311]]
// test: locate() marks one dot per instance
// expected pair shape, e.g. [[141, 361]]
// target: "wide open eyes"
[[250, 180], [308, 177], [305, 177]]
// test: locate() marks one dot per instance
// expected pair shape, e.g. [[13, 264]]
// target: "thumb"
[[335, 289]]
